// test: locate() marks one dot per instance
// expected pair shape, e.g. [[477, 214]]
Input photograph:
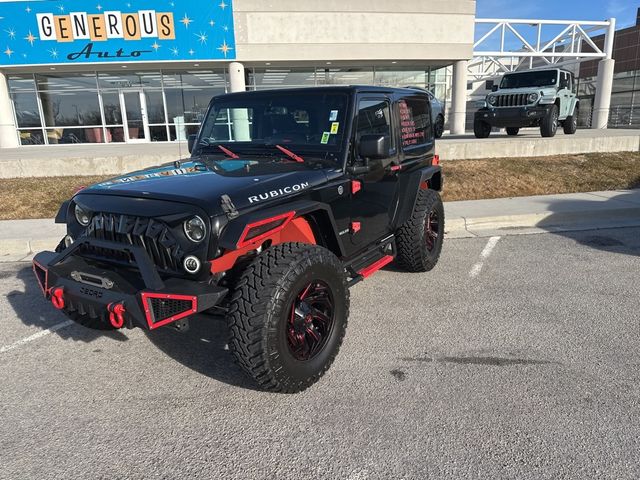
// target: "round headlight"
[[533, 97], [83, 216], [195, 229], [491, 99]]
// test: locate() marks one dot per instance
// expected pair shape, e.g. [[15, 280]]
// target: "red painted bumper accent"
[[355, 227], [146, 296], [356, 186], [374, 267]]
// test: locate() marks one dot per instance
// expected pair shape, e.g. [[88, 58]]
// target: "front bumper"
[[120, 298], [513, 116]]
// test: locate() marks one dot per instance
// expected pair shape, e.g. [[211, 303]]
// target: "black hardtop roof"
[[350, 89]]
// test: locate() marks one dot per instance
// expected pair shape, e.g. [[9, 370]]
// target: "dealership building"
[[124, 71]]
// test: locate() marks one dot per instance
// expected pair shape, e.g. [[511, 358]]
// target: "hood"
[[507, 91], [247, 182]]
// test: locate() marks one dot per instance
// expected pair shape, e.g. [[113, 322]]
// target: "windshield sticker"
[[325, 138], [333, 116], [335, 126]]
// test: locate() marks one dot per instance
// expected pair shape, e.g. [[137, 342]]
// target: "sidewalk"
[[20, 239]]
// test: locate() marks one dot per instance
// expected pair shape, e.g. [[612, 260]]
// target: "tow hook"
[[116, 314], [57, 298]]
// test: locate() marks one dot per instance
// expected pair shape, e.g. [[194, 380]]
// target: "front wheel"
[[419, 240], [570, 125], [481, 129], [438, 128], [549, 124], [288, 315]]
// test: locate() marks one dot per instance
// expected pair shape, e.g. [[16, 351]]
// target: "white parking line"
[[36, 336], [491, 244]]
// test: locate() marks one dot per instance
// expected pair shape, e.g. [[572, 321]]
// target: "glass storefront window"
[[31, 137], [112, 108], [115, 80], [21, 83], [265, 78], [66, 82], [65, 109], [155, 107], [344, 76], [394, 77], [26, 108]]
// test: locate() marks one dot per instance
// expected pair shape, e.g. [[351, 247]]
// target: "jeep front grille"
[[153, 236], [512, 100]]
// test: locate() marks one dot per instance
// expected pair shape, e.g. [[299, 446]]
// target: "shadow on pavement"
[[33, 310], [203, 348], [599, 224]]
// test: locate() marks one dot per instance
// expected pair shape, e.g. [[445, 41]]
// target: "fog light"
[[192, 264]]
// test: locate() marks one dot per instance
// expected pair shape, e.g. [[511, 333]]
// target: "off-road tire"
[[438, 128], [549, 124], [411, 239], [88, 322], [513, 131], [570, 124], [481, 129], [258, 316]]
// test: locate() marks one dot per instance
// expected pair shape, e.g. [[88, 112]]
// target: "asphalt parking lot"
[[517, 357]]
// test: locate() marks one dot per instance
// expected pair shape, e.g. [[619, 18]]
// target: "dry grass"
[[520, 177], [465, 180]]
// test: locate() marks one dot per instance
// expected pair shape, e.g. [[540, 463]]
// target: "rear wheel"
[[438, 128], [419, 240], [512, 131], [288, 316], [481, 129], [549, 124], [570, 125]]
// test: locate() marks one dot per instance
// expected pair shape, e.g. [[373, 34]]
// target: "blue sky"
[[623, 10]]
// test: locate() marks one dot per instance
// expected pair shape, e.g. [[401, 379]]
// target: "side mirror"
[[192, 142], [494, 88], [374, 146]]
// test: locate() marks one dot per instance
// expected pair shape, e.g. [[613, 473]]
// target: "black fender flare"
[[318, 215], [428, 177]]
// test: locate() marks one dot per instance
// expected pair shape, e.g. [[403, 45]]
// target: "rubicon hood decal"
[[278, 193]]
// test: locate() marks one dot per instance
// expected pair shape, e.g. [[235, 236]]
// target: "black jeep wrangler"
[[289, 198]]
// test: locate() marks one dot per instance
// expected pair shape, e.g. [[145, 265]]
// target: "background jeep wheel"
[[481, 129], [438, 128], [571, 123], [549, 124], [419, 240], [288, 316], [512, 130]]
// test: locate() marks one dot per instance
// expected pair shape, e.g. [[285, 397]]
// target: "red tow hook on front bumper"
[[116, 314], [57, 298]]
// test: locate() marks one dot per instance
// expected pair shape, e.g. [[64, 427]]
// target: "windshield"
[[306, 124], [544, 78]]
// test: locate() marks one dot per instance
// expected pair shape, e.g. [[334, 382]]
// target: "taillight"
[[436, 160], [262, 229]]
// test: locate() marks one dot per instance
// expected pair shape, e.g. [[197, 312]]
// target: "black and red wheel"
[[288, 315], [419, 240]]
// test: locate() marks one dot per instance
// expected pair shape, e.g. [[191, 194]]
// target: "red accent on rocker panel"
[[145, 296], [356, 186], [436, 160], [35, 265], [374, 267], [355, 227], [280, 222], [298, 230], [395, 168], [424, 185]]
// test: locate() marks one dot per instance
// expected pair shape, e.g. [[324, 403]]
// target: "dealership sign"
[[101, 31]]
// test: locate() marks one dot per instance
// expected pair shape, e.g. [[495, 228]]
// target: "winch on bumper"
[[513, 116], [120, 297]]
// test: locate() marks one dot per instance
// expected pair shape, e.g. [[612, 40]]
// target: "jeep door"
[[373, 206], [564, 94]]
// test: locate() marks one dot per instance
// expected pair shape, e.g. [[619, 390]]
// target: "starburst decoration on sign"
[[186, 21], [61, 8], [99, 8], [175, 52], [212, 23], [28, 9], [192, 52], [8, 52], [224, 48], [202, 38], [226, 28], [12, 33], [223, 5], [53, 52], [173, 4], [30, 38], [155, 46]]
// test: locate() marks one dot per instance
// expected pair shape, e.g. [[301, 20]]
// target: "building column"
[[236, 77], [604, 82], [8, 136], [457, 122]]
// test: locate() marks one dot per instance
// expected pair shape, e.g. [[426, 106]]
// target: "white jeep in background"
[[544, 98]]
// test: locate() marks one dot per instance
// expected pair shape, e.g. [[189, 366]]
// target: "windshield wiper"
[[290, 154], [228, 152]]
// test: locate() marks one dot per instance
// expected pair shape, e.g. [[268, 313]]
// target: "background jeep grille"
[[155, 237], [512, 100]]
